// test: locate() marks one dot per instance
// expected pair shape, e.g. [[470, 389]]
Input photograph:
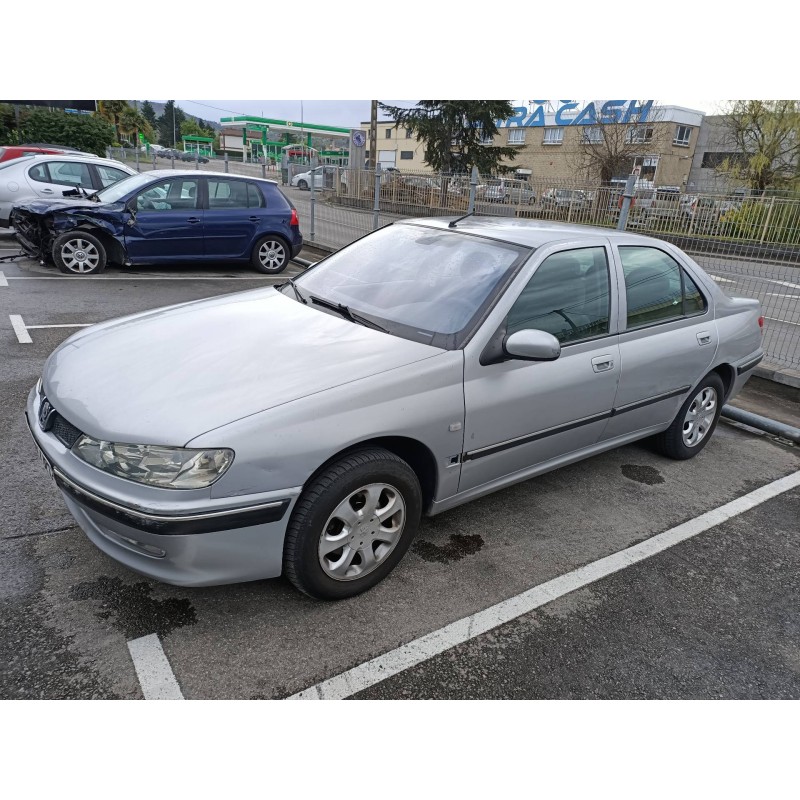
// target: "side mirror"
[[532, 345]]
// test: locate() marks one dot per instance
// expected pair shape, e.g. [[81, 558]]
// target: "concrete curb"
[[784, 375]]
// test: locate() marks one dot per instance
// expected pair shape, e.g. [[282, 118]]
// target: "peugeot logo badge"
[[46, 415]]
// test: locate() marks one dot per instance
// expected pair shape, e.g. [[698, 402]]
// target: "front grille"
[[65, 431]]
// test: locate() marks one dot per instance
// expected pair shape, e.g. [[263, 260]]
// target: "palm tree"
[[112, 110], [132, 122]]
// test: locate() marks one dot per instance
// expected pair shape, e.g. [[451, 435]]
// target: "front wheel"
[[352, 524], [270, 255], [302, 185], [79, 253], [691, 429]]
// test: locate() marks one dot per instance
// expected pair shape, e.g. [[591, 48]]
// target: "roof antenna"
[[452, 224]]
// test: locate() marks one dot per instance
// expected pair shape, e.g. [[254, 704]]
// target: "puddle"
[[459, 546], [642, 474]]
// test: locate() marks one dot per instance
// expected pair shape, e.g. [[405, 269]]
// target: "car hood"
[[166, 376], [68, 204]]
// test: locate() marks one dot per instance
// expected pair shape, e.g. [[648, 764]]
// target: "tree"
[[8, 124], [765, 135], [169, 124], [453, 131], [190, 128], [112, 110], [90, 133], [132, 123], [609, 147], [149, 113]]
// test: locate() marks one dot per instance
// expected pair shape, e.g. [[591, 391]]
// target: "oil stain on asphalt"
[[642, 474], [132, 610], [459, 546]]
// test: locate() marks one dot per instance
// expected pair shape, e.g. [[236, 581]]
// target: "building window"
[[683, 133], [516, 135], [715, 160], [487, 139], [388, 133], [406, 155], [409, 133], [639, 134], [591, 135], [553, 136]]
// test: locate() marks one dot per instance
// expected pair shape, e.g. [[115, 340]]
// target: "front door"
[[522, 413], [167, 224], [668, 342]]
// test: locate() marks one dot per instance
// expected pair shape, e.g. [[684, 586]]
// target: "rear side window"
[[227, 194], [657, 289], [70, 173]]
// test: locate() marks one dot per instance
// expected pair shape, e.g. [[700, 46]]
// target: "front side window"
[[657, 289], [421, 283], [568, 296], [179, 194], [69, 173], [109, 175]]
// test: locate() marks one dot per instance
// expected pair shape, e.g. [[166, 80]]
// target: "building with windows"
[[568, 142], [397, 147]]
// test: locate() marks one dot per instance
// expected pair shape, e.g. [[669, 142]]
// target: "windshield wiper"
[[296, 291], [348, 314]]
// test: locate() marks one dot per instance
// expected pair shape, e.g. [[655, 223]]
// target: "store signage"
[[610, 112]]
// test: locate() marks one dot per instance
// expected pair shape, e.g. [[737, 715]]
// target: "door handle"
[[704, 337], [47, 191], [603, 363], [193, 220], [254, 219]]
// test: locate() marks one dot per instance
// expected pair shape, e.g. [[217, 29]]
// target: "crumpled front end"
[[35, 232]]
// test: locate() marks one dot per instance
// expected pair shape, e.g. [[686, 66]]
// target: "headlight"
[[166, 467]]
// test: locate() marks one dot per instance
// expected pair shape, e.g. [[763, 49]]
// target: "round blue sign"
[[359, 138]]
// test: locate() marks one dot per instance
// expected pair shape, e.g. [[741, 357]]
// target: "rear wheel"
[[352, 524], [270, 255], [694, 424], [79, 253]]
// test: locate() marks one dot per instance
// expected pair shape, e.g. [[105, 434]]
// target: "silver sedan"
[[304, 429]]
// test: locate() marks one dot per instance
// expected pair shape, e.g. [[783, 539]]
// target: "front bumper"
[[194, 542]]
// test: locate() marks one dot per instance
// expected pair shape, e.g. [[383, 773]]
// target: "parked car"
[[324, 176], [305, 428], [502, 190], [10, 152], [564, 199], [170, 153], [161, 216], [190, 156], [55, 176]]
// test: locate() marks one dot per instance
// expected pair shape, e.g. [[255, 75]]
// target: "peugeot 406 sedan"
[[423, 366]]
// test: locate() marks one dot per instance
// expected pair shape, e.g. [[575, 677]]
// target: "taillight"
[[761, 324], [295, 220]]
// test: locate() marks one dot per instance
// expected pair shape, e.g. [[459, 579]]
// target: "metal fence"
[[749, 245]]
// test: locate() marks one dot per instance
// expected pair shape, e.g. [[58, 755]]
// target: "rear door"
[[168, 222], [667, 341], [235, 216]]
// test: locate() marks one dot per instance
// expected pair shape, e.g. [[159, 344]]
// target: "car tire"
[[360, 487], [271, 254], [79, 253], [302, 185], [694, 424]]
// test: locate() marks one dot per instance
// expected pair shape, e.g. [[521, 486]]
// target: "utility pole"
[[373, 136]]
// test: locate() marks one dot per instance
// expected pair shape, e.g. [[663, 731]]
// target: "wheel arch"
[[115, 252], [416, 454], [728, 375]]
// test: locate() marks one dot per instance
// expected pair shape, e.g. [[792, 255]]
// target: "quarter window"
[[567, 296], [39, 173], [656, 287], [254, 197]]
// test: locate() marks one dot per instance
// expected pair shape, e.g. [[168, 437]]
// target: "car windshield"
[[120, 189], [420, 283]]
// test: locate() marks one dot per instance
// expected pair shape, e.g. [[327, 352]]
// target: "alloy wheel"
[[272, 254], [80, 256]]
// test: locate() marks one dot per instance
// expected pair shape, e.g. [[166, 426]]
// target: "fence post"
[[137, 160], [473, 188], [313, 203], [226, 162], [376, 207], [627, 196], [766, 221], [263, 169], [154, 160], [172, 159], [197, 163]]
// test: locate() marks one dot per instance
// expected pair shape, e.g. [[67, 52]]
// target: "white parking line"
[[194, 278], [155, 675], [3, 281], [23, 337], [395, 661], [71, 325]]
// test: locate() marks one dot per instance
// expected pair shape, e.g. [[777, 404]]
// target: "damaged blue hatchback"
[[164, 216]]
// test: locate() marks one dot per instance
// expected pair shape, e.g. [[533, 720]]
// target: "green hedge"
[[86, 132], [748, 222]]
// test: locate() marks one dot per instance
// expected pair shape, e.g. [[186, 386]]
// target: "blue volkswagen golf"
[[163, 216]]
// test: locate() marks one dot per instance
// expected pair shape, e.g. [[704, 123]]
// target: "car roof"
[[528, 232], [35, 157], [187, 173]]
